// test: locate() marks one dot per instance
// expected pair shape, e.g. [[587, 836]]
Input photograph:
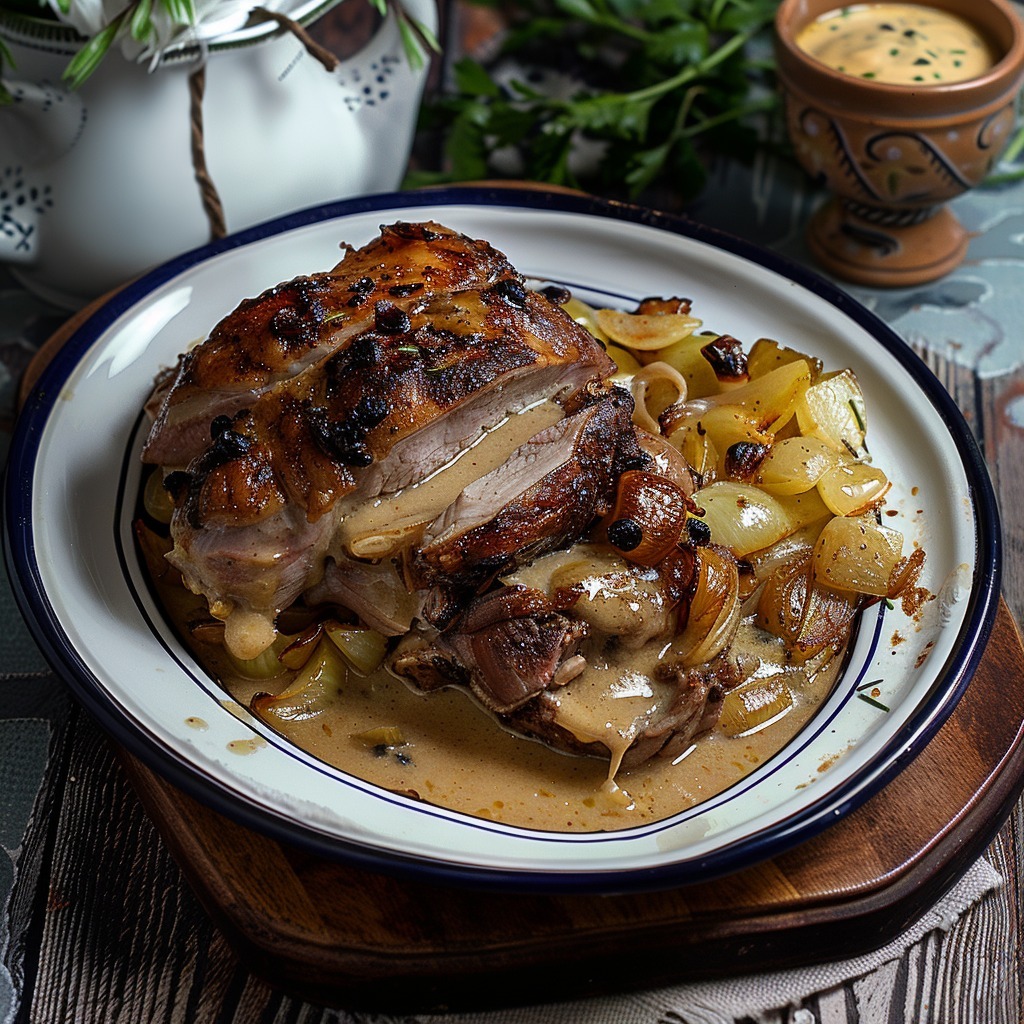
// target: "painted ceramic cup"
[[99, 184], [893, 155]]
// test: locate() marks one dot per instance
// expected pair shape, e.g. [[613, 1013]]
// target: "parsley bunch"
[[656, 85]]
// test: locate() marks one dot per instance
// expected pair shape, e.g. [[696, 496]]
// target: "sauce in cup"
[[898, 43]]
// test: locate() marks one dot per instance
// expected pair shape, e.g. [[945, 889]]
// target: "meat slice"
[[376, 592], [445, 342], [544, 497], [509, 645]]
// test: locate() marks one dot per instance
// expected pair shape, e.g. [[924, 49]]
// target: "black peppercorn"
[[698, 531], [625, 534]]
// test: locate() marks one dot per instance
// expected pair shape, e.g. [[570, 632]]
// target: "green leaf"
[[652, 76], [680, 45], [509, 125], [88, 58], [411, 45], [644, 168], [141, 24], [181, 12], [472, 79], [467, 148], [426, 34], [615, 115], [581, 9], [548, 157]]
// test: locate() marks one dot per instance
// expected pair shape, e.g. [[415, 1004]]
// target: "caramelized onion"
[[809, 618], [766, 355], [298, 651], [311, 692], [714, 612], [645, 332], [650, 508], [832, 409], [796, 464], [364, 649], [859, 555], [156, 499], [655, 387], [727, 358], [755, 704], [688, 358], [852, 488], [770, 400], [746, 519]]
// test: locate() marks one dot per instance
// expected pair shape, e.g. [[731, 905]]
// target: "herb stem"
[[726, 116], [658, 89]]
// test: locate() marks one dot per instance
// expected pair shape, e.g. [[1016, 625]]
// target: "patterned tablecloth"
[[970, 320]]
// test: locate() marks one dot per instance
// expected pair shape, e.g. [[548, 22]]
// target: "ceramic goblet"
[[893, 155]]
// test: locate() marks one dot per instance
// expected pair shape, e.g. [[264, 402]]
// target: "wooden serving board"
[[331, 933]]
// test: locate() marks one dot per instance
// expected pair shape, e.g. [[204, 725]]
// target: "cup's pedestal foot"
[[885, 255]]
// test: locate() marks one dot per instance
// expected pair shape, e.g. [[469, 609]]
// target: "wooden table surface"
[[100, 927]]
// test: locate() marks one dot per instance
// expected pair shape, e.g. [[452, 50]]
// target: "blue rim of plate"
[[19, 552]]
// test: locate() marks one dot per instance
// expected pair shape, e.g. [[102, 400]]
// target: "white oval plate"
[[74, 470]]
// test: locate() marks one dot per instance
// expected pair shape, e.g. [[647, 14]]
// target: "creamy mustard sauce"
[[456, 755], [899, 44]]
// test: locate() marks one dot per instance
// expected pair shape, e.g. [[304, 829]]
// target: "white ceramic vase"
[[98, 184]]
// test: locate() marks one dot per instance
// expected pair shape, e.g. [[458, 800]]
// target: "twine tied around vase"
[[212, 206]]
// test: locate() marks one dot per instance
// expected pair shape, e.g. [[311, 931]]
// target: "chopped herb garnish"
[[867, 74], [871, 700], [867, 686], [857, 416]]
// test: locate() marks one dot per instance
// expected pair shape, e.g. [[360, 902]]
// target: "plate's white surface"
[[71, 551]]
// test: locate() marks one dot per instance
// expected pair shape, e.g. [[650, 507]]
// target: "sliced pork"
[[542, 498]]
